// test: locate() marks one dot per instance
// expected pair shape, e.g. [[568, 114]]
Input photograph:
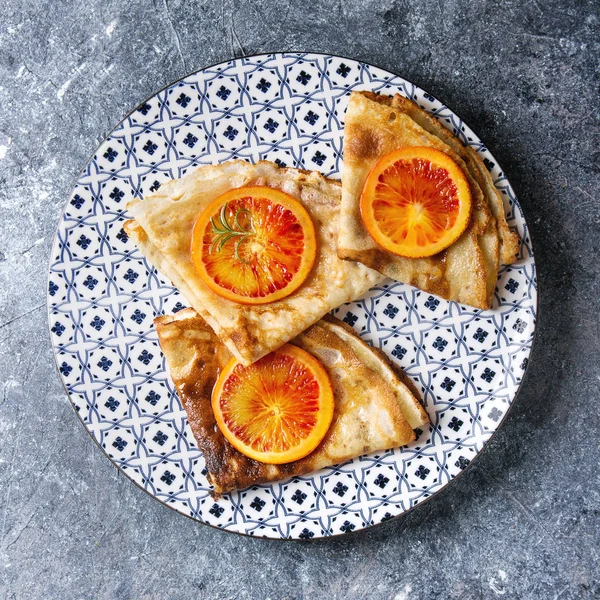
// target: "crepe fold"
[[467, 271], [162, 229], [375, 408]]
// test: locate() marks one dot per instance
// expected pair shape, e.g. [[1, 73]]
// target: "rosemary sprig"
[[225, 231]]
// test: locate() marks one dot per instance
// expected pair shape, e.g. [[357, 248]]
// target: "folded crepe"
[[375, 406], [162, 229], [467, 271]]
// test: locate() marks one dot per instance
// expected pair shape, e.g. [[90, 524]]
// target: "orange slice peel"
[[276, 410], [254, 245], [416, 202]]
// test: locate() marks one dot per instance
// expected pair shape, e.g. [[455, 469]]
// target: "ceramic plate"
[[103, 295]]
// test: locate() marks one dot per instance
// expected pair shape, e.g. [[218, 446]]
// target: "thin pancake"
[[167, 219], [467, 271], [368, 414]]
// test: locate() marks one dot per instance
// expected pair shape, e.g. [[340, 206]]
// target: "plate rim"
[[315, 539]]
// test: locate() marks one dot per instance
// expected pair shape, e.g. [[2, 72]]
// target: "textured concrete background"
[[522, 522]]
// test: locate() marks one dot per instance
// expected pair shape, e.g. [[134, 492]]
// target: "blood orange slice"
[[416, 202], [278, 409], [254, 245]]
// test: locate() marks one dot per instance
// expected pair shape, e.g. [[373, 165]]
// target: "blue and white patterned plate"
[[103, 295]]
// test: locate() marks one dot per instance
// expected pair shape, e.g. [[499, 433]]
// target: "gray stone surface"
[[522, 522]]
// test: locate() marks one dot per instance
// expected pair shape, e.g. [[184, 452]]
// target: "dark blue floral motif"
[[190, 140], [511, 285], [58, 329], [279, 162], [519, 326], [144, 109], [97, 323], [178, 307], [131, 275], [439, 343], [311, 117], [160, 438], [223, 93], [263, 85], [90, 282], [350, 319], [524, 363], [117, 194], [150, 147], [340, 489], [319, 158], [105, 363], [432, 303], [448, 384], [152, 398], [112, 404], [119, 444], [422, 472], [52, 288], [488, 374], [347, 527], [455, 424], [138, 316], [145, 357], [480, 335], [271, 125], [230, 132], [65, 369], [257, 504], [306, 534], [381, 481], [299, 497], [303, 78], [462, 462], [77, 201], [122, 236], [429, 97], [343, 70], [390, 311], [398, 351], [216, 510], [495, 414], [488, 163], [168, 477], [154, 186], [183, 100], [83, 241], [110, 155]]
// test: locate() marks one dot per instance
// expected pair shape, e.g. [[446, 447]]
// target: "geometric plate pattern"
[[103, 295]]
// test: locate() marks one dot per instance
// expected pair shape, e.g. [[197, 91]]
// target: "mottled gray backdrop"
[[522, 522]]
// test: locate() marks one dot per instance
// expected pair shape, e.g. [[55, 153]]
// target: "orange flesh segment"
[[416, 202], [254, 245], [276, 410]]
